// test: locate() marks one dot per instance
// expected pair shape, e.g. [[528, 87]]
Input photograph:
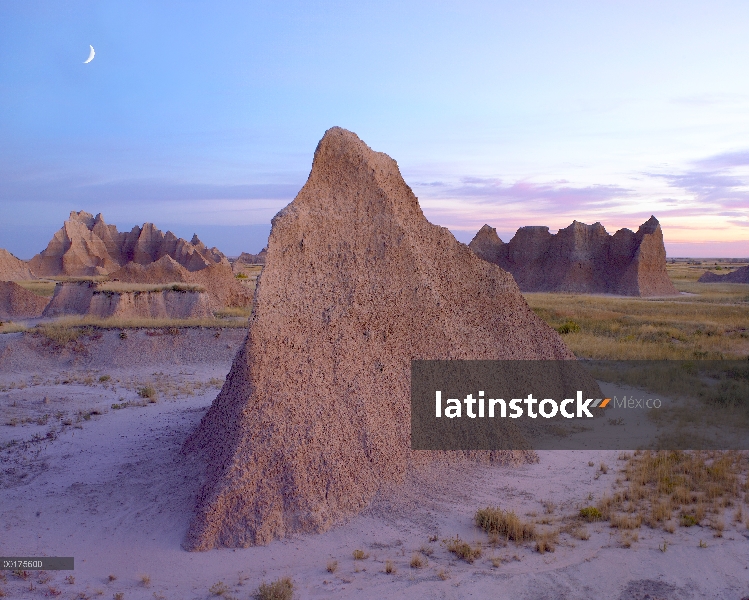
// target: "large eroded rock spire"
[[315, 413]]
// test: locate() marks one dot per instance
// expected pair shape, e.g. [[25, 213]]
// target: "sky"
[[203, 117]]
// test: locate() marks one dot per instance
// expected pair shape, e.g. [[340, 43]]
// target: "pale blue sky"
[[203, 116]]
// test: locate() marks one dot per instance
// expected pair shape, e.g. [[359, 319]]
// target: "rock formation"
[[12, 268], [253, 259], [315, 413], [582, 258], [96, 300], [19, 303], [740, 275], [218, 279], [87, 246]]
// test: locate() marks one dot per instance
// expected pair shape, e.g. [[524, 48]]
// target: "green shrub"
[[590, 514], [568, 326]]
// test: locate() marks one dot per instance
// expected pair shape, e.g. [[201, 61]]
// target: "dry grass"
[[281, 589], [42, 288], [332, 566], [418, 560], [359, 554], [710, 322], [504, 524], [145, 580], [463, 549], [661, 488], [243, 312], [389, 567], [121, 287]]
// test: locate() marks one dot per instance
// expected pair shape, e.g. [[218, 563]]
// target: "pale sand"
[[117, 495]]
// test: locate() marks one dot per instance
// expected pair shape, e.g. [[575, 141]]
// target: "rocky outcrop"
[[12, 268], [740, 275], [87, 246], [161, 304], [19, 303], [582, 258], [218, 279], [252, 259], [315, 414], [97, 300]]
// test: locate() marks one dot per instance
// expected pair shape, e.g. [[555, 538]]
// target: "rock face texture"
[[582, 258], [12, 268], [740, 275], [87, 246], [91, 299], [17, 302], [315, 414], [218, 279]]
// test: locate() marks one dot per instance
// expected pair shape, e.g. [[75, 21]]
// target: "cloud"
[[540, 198], [716, 183]]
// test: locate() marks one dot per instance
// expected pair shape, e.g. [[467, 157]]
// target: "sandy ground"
[[112, 490]]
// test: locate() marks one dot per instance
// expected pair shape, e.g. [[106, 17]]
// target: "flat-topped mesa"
[[583, 258], [740, 275], [315, 413], [87, 246]]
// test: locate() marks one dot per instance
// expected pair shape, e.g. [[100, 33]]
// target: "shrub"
[[148, 392], [688, 520], [281, 589], [568, 326], [104, 378], [417, 561], [332, 566], [590, 514], [360, 555], [504, 523], [389, 567], [462, 549], [218, 589]]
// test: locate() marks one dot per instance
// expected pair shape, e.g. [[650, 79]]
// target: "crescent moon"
[[90, 56]]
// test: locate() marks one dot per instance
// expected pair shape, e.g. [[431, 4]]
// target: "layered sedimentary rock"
[[12, 268], [740, 275], [582, 258], [92, 299], [218, 279], [18, 303], [315, 414], [87, 246]]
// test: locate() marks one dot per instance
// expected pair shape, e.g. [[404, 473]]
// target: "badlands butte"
[[310, 431]]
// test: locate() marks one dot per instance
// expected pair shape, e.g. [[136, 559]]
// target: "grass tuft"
[[281, 589]]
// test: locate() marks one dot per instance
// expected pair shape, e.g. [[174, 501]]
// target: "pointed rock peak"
[[649, 226], [486, 234], [82, 217], [195, 241], [99, 219]]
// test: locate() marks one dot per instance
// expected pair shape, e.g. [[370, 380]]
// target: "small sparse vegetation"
[[281, 589], [332, 566], [360, 555], [119, 596], [104, 378], [418, 560], [590, 514], [568, 326], [145, 580], [463, 549], [504, 524], [148, 392], [218, 589], [389, 567]]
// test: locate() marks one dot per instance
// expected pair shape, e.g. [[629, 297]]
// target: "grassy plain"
[[706, 321]]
